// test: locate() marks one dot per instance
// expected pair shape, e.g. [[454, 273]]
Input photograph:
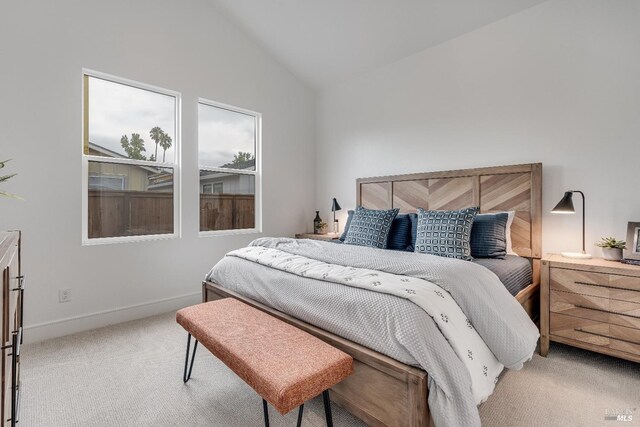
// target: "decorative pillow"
[[508, 232], [370, 227], [488, 235], [414, 228], [402, 237], [346, 225], [445, 233], [400, 234]]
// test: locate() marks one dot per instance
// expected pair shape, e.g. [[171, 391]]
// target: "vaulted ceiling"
[[325, 42]]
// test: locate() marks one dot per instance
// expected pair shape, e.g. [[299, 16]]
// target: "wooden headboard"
[[500, 188]]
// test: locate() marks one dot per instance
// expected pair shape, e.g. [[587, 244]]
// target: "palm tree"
[[156, 134], [165, 144]]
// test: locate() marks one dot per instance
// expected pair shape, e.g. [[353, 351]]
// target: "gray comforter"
[[391, 325]]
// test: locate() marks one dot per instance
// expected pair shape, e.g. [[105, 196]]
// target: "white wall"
[[180, 45], [557, 84]]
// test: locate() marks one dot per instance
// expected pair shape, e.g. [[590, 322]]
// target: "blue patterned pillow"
[[488, 235], [370, 227], [445, 233], [400, 236]]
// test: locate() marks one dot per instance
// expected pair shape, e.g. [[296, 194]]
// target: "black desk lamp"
[[565, 206], [335, 207]]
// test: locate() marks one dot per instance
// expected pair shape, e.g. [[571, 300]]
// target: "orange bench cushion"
[[283, 364]]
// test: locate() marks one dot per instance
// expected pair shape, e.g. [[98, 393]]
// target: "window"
[[229, 159], [106, 182], [130, 158], [213, 188]]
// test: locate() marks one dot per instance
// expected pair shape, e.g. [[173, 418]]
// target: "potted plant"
[[6, 178], [611, 248], [322, 228]]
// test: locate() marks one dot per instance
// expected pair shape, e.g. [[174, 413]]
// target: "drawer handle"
[[607, 311], [606, 336], [605, 286]]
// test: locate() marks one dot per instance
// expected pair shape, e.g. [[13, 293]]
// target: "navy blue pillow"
[[414, 228], [488, 235], [401, 236], [346, 226]]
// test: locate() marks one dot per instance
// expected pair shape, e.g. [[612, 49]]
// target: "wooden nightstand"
[[326, 237], [592, 304]]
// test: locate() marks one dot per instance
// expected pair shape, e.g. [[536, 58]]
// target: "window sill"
[[214, 233], [128, 239]]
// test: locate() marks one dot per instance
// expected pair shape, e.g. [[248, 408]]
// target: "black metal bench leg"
[[187, 373], [300, 415], [327, 408], [266, 413]]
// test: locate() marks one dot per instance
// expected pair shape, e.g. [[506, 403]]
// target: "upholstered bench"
[[283, 364]]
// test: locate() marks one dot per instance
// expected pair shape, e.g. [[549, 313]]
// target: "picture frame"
[[633, 241]]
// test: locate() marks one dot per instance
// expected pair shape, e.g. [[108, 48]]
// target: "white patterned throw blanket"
[[480, 362], [452, 318]]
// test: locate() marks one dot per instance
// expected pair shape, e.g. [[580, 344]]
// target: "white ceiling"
[[325, 42]]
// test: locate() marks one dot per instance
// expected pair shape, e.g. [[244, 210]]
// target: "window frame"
[[86, 158], [257, 173]]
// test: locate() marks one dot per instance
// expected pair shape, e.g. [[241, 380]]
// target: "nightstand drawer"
[[629, 287], [607, 310], [602, 285], [596, 333], [581, 282]]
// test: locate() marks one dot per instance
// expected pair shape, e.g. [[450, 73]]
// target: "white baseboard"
[[85, 322]]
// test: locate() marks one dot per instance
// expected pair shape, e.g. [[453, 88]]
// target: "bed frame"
[[383, 391]]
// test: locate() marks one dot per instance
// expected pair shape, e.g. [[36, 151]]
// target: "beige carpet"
[[131, 375]]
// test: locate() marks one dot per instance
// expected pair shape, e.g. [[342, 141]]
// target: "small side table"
[[592, 304], [325, 237]]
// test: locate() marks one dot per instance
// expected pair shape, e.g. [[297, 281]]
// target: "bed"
[[386, 392]]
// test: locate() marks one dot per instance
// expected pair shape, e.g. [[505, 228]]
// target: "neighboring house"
[[119, 177], [229, 183]]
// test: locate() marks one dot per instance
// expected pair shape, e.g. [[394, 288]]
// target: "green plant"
[[6, 178], [611, 242]]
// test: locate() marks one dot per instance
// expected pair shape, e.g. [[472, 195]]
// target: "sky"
[[222, 133], [116, 109]]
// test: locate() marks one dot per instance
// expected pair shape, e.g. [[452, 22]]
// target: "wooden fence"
[[134, 213], [227, 211]]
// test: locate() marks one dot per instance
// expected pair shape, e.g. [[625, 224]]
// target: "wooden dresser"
[[11, 324], [592, 304]]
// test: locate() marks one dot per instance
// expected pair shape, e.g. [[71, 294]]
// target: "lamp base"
[[577, 255]]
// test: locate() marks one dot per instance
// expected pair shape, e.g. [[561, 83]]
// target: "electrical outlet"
[[64, 295]]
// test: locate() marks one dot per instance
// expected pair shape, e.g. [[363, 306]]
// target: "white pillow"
[[512, 214]]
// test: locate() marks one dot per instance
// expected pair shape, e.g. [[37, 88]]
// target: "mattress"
[[514, 271]]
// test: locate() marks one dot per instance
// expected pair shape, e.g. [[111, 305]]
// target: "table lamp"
[[335, 207], [565, 206]]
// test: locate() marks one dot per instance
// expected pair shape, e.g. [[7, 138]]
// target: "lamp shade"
[[565, 206], [335, 206]]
